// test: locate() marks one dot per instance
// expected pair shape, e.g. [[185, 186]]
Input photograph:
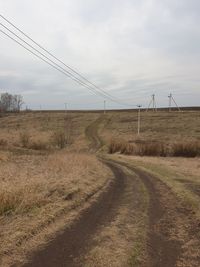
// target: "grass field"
[[162, 133], [48, 174], [41, 182]]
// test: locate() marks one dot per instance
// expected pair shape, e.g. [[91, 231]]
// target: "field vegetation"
[[49, 173], [44, 182], [162, 133]]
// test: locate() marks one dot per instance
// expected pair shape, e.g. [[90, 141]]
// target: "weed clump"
[[190, 149], [156, 149], [3, 142], [38, 145], [152, 149], [59, 138], [24, 139], [121, 147]]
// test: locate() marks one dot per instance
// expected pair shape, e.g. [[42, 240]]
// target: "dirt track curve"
[[162, 249], [67, 247]]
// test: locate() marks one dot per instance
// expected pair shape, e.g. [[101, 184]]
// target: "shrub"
[[60, 138], [121, 146], [152, 149], [191, 149], [8, 202], [142, 149], [3, 142], [24, 139], [39, 145]]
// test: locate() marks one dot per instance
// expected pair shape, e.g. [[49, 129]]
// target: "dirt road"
[[92, 133], [166, 217], [67, 247]]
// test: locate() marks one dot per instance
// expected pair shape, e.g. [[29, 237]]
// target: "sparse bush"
[[24, 139], [60, 138], [191, 149], [152, 149], [142, 149], [9, 202], [114, 146], [3, 142], [38, 145], [122, 147]]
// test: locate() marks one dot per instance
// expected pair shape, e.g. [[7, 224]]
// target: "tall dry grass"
[[149, 148], [31, 182], [37, 189], [183, 149]]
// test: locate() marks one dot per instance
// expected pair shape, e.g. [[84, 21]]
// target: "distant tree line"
[[9, 102]]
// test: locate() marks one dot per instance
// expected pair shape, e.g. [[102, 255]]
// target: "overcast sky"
[[130, 48]]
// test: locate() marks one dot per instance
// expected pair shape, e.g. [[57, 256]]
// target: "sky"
[[129, 48]]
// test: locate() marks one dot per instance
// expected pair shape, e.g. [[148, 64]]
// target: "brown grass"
[[36, 189], [60, 138], [42, 191], [150, 148], [24, 139], [158, 126], [186, 149], [120, 146]]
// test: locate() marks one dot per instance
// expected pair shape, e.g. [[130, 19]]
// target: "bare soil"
[[162, 251], [70, 244], [173, 237]]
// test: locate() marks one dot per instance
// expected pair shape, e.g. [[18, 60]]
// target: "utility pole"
[[104, 102], [66, 108], [153, 103], [170, 102], [176, 104], [139, 119]]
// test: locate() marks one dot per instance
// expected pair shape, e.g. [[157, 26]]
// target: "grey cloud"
[[129, 48]]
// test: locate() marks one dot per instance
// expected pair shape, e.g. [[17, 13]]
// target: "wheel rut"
[[92, 135], [69, 245], [161, 249]]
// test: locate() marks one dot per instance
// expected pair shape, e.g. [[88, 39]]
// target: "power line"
[[45, 60], [69, 74], [57, 66], [49, 53]]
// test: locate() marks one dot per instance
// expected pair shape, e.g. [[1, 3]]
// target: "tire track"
[[92, 135], [68, 246], [162, 251]]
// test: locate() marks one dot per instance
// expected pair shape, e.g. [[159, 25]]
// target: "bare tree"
[[9, 102]]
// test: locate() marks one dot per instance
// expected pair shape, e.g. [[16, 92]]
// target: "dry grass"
[[39, 184], [36, 189], [180, 174], [186, 149], [41, 126], [42, 189], [173, 127], [121, 146], [150, 148]]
